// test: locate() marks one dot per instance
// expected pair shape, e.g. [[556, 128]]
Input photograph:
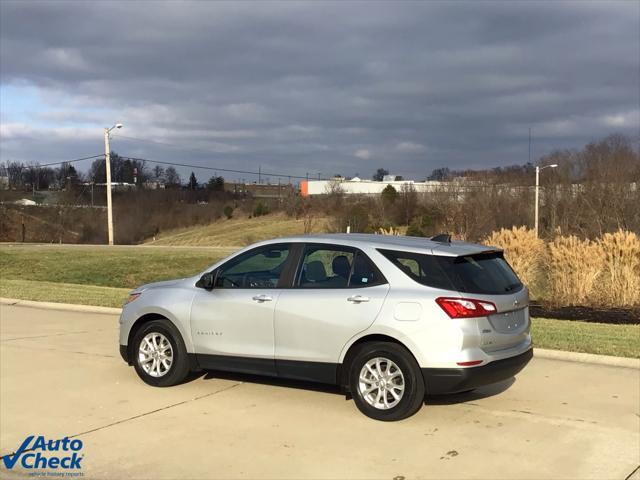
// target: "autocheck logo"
[[40, 453]]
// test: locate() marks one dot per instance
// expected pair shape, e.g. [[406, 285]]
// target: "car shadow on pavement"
[[479, 393]]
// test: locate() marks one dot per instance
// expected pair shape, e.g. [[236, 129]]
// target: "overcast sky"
[[314, 87]]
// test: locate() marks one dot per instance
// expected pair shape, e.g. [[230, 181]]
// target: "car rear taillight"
[[465, 307]]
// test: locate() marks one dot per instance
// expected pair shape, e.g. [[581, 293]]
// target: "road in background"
[[62, 376]]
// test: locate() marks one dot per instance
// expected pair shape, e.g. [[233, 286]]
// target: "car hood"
[[164, 284]]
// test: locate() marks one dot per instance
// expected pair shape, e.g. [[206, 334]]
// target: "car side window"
[[365, 273], [258, 268], [425, 269], [336, 267], [410, 266]]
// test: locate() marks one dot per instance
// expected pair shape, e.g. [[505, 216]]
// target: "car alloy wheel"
[[386, 381], [381, 383], [155, 355]]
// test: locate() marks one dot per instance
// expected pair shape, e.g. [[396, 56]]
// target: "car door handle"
[[262, 298], [357, 299]]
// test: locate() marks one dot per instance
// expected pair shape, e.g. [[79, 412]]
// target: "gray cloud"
[[331, 87]]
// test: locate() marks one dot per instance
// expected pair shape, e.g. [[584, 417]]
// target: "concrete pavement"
[[61, 375]]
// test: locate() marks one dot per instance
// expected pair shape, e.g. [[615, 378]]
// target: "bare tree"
[[335, 196], [14, 171], [158, 173], [408, 202], [172, 177]]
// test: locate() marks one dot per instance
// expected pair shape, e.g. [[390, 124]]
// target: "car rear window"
[[483, 273]]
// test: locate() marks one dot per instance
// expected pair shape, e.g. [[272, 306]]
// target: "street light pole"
[[107, 158], [538, 193]]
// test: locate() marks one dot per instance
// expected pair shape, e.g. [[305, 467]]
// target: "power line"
[[156, 142], [41, 165], [144, 140], [217, 169], [167, 144]]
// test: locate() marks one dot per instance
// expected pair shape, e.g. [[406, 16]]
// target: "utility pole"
[[537, 197], [107, 161], [259, 174], [536, 208]]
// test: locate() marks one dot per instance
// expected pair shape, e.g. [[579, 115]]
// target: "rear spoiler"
[[441, 238], [460, 249], [464, 248]]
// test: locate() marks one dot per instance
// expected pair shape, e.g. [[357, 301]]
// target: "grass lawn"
[[104, 275], [118, 267], [587, 337], [63, 293]]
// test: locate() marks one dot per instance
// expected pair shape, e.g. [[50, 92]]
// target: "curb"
[[537, 352], [60, 306], [587, 358]]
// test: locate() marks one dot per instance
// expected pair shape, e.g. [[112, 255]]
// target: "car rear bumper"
[[452, 380]]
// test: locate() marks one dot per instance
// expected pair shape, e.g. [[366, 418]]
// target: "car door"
[[232, 324], [337, 293]]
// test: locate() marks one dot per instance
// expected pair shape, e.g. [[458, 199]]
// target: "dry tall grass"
[[389, 231], [571, 271], [620, 278], [239, 231], [574, 267], [524, 252]]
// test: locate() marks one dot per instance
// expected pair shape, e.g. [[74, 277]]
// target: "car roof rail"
[[441, 238]]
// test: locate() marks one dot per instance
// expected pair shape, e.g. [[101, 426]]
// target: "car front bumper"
[[124, 353], [452, 380]]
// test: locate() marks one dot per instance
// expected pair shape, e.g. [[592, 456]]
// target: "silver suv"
[[387, 318]]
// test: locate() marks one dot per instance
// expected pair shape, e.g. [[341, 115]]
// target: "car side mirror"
[[207, 281]]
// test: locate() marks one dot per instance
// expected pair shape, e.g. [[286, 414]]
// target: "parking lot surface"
[[61, 375]]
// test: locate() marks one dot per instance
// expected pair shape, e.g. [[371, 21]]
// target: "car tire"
[[158, 354], [386, 382]]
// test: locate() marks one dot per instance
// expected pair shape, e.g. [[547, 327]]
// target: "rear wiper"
[[513, 286]]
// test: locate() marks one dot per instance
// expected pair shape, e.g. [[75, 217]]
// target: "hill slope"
[[237, 231]]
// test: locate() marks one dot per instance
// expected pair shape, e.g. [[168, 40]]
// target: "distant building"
[[153, 185], [392, 178], [368, 187], [260, 190], [117, 186]]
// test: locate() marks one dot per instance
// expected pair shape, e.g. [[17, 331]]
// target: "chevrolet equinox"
[[387, 318]]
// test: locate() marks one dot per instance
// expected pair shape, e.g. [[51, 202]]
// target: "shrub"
[[389, 195], [261, 209], [620, 279], [414, 230], [524, 252], [420, 226], [355, 215], [228, 211], [574, 267]]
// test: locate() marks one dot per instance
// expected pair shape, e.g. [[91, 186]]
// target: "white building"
[[367, 187]]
